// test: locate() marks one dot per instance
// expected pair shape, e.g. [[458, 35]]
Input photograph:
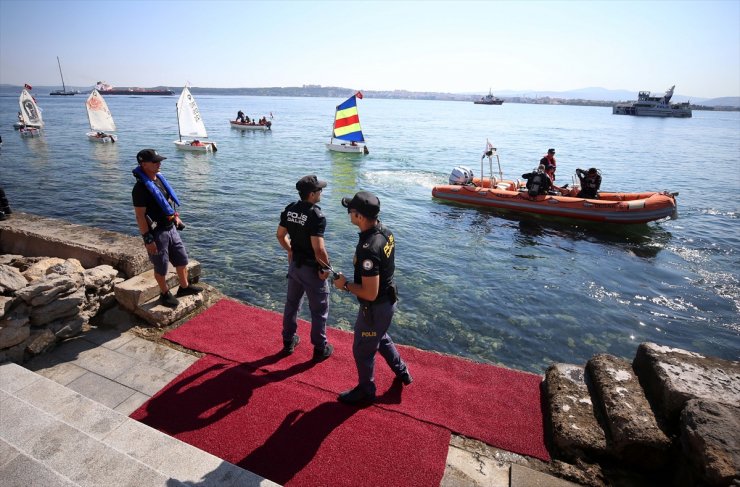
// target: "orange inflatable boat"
[[608, 208]]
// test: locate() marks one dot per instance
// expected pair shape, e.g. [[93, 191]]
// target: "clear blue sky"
[[446, 46]]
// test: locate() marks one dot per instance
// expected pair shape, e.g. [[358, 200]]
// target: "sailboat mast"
[[177, 112], [64, 87]]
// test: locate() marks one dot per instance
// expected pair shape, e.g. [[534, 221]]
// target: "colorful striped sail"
[[347, 121]]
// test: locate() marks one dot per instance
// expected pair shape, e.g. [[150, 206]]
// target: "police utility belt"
[[390, 295]]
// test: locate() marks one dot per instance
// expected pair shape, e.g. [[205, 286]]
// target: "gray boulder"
[[49, 288], [710, 437], [671, 377], [99, 280], [11, 279], [63, 307]]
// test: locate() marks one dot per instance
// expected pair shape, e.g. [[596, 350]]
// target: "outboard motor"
[[461, 176]]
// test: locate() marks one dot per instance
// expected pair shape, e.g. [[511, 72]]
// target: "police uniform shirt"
[[375, 255], [303, 221], [142, 197]]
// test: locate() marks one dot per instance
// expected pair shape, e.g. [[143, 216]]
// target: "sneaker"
[[405, 378], [356, 396], [167, 299], [189, 291], [289, 346], [321, 354]]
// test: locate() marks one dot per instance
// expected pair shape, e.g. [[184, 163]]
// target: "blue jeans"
[[302, 281]]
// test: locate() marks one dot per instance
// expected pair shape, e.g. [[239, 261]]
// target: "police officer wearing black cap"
[[301, 234], [373, 284]]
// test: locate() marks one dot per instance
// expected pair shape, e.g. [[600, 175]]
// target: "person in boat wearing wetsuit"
[[154, 204], [538, 183], [590, 182], [240, 116], [301, 234], [375, 289]]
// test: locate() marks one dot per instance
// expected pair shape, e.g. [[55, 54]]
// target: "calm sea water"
[[500, 288]]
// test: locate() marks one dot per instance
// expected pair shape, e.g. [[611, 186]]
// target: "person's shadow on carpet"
[[210, 395], [295, 443]]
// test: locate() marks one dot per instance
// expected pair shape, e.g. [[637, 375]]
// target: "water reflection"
[[38, 146], [106, 154]]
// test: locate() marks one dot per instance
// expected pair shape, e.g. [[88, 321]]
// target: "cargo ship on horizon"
[[106, 89]]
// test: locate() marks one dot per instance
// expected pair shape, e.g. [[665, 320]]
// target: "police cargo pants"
[[371, 335], [302, 281]]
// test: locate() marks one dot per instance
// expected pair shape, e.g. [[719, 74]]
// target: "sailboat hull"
[[352, 149], [30, 132], [93, 137], [185, 145]]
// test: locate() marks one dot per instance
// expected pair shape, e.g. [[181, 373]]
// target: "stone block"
[[11, 279], [12, 335], [710, 437], [575, 428], [100, 278], [161, 316], [41, 342], [671, 377], [64, 307], [38, 270], [6, 302], [635, 436], [45, 290], [139, 289], [33, 235]]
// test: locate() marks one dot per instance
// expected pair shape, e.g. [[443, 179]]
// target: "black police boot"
[[321, 354], [289, 345], [405, 378], [357, 397]]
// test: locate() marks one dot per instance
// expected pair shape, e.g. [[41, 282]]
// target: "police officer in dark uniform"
[[301, 234], [373, 284]]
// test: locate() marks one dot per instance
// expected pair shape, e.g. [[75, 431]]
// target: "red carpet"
[[291, 433], [496, 405]]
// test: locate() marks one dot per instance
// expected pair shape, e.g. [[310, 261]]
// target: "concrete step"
[[20, 470], [140, 295], [86, 443], [573, 418], [142, 288], [634, 434]]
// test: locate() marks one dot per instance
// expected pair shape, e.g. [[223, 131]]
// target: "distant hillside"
[[595, 94], [725, 101]]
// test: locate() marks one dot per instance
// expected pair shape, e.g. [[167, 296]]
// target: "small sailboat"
[[347, 128], [63, 91], [101, 120], [29, 116], [190, 124]]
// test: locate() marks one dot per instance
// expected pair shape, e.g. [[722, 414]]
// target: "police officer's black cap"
[[366, 204], [551, 151], [310, 183], [149, 155]]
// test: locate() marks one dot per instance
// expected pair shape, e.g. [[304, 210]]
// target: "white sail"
[[30, 112], [98, 113], [188, 116]]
